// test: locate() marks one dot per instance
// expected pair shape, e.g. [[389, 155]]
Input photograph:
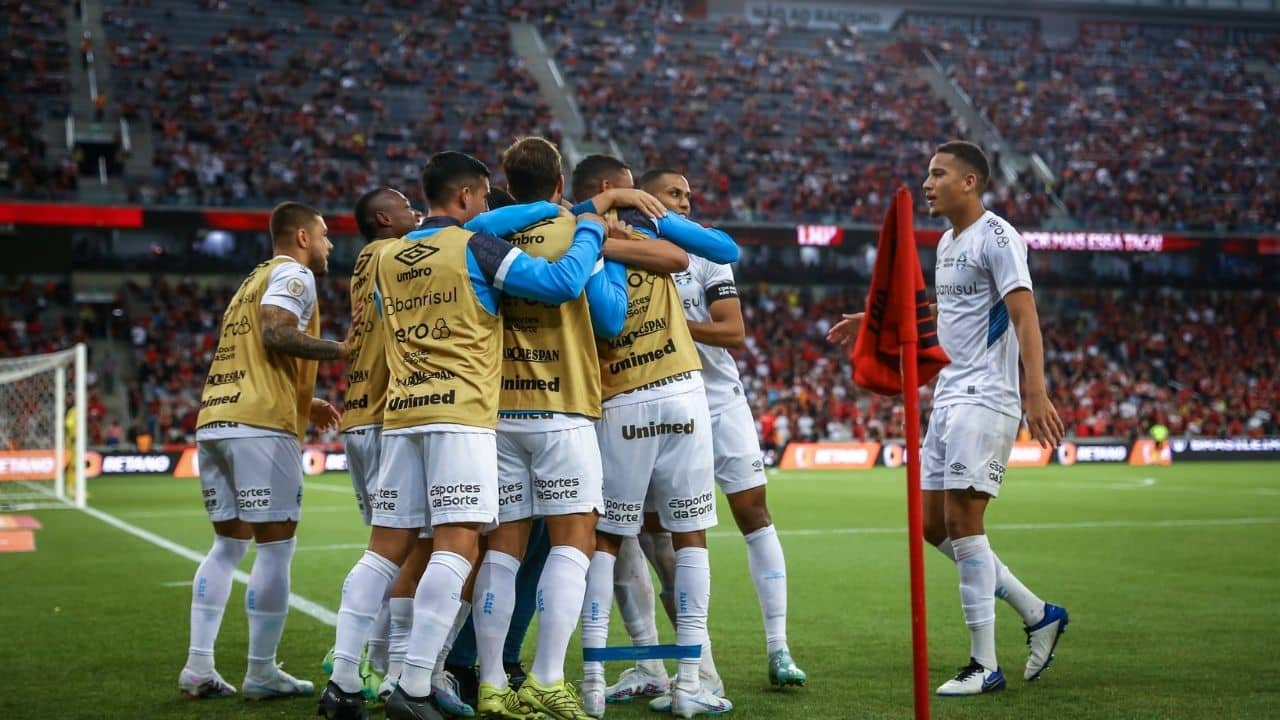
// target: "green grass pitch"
[[1170, 575]]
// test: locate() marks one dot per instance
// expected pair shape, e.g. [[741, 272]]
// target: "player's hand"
[[845, 331], [324, 416], [618, 230], [354, 329], [1043, 421], [632, 198], [566, 210]]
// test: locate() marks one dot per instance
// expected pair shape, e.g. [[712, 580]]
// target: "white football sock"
[[560, 591], [459, 620], [266, 602], [597, 603], [1008, 588], [379, 638], [978, 595], [401, 612], [769, 572], [210, 589], [362, 594], [693, 596], [495, 597], [633, 587], [661, 553], [435, 606]]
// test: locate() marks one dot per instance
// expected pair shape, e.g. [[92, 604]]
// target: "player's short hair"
[[971, 155], [366, 215], [289, 217], [593, 169], [651, 176], [448, 171], [532, 167], [499, 198]]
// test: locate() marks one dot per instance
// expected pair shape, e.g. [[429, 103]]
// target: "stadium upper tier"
[[250, 103]]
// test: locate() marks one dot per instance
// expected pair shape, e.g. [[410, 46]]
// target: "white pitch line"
[[297, 602], [201, 513]]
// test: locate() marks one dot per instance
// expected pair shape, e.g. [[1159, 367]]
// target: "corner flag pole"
[[904, 288]]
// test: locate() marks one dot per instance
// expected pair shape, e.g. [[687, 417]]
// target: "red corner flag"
[[897, 309], [897, 325]]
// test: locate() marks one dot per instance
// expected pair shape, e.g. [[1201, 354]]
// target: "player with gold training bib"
[[655, 442], [255, 409], [438, 291]]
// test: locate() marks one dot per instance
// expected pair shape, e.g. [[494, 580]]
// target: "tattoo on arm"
[[280, 334]]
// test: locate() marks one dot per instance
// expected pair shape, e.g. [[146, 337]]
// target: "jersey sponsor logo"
[[423, 331], [638, 306], [563, 488], [419, 377], [224, 353], [1002, 239], [956, 289], [678, 377], [633, 360], [393, 305], [362, 262], [519, 383], [995, 472], [958, 468], [622, 513], [414, 357], [359, 403], [648, 327], [531, 355], [960, 262], [224, 400], [634, 432], [416, 401], [636, 279], [237, 328], [453, 496], [523, 239], [225, 378], [415, 253], [253, 498], [357, 376], [691, 303], [510, 494], [689, 508], [384, 500]]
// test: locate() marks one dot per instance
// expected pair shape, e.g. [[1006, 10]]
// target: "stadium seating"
[[1145, 134], [33, 74], [313, 105]]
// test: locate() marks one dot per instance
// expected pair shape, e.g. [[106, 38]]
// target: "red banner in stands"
[[55, 215]]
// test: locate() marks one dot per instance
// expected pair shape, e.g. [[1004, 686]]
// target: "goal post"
[[40, 464]]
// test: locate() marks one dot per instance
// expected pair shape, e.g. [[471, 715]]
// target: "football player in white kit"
[[983, 290], [714, 315]]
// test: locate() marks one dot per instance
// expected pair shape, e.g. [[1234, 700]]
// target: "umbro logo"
[[958, 468], [416, 253]]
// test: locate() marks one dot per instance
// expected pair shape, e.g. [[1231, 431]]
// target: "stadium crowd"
[[1109, 378], [781, 123], [33, 74]]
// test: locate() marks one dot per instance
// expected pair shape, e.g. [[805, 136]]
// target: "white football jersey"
[[701, 284], [974, 271]]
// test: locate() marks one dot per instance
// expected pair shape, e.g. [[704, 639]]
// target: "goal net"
[[42, 430]]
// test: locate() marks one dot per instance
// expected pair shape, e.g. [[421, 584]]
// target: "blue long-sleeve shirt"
[[495, 266], [710, 243], [607, 299]]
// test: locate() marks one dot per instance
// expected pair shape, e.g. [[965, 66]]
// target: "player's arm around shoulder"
[[607, 299], [510, 270], [512, 218], [710, 243]]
